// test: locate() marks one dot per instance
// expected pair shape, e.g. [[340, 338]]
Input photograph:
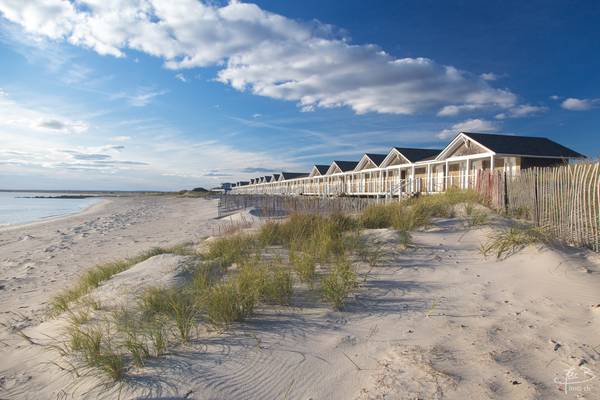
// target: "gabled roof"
[[523, 145], [413, 155], [367, 158], [243, 183], [275, 177], [292, 175], [344, 166], [267, 178], [376, 158], [410, 154], [318, 170]]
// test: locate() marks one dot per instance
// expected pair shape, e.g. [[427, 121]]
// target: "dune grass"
[[219, 296], [509, 241], [305, 267], [233, 249], [92, 278], [339, 283], [96, 351]]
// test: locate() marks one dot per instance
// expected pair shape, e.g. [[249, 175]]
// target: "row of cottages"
[[404, 171]]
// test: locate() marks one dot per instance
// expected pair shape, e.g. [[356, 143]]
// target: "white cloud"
[[489, 76], [142, 98], [470, 125], [38, 151], [181, 77], [261, 52], [555, 97], [522, 110], [574, 104], [451, 110], [120, 138], [18, 117]]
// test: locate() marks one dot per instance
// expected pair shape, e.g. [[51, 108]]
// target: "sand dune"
[[436, 320]]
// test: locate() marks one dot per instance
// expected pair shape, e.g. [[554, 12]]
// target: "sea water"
[[19, 207]]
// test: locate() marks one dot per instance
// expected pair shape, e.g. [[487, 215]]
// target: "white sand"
[[435, 321]]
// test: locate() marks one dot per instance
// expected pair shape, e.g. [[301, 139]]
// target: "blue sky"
[[148, 94]]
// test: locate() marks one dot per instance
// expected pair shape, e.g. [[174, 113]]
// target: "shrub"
[[511, 240], [338, 283]]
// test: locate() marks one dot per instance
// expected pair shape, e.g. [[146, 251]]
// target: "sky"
[[175, 94]]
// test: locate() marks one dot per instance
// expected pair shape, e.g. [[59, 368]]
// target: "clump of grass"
[[95, 276], [305, 266], [478, 218], [380, 215], [178, 304], [337, 285], [94, 345], [270, 234], [138, 349], [154, 301], [404, 238], [232, 249], [158, 336], [223, 305], [184, 312], [277, 286], [112, 363], [511, 240]]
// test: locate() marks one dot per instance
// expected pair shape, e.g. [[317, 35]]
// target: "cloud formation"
[[267, 54], [522, 110], [574, 104], [470, 125]]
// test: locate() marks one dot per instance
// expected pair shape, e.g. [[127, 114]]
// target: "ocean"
[[14, 209]]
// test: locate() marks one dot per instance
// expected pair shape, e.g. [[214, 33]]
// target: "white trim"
[[461, 135]]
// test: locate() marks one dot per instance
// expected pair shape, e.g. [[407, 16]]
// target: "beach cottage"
[[405, 171]]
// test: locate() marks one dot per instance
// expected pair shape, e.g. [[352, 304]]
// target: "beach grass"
[[92, 278], [339, 283], [509, 241]]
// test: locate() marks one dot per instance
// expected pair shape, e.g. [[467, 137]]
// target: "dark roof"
[[523, 145], [268, 178], [243, 183], [376, 158], [414, 155], [346, 165], [276, 176], [321, 168], [293, 175]]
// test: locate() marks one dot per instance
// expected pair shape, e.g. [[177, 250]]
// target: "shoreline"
[[97, 206]]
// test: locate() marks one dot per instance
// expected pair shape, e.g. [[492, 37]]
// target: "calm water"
[[16, 210]]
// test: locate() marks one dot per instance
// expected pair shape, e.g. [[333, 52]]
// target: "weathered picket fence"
[[276, 206], [565, 200]]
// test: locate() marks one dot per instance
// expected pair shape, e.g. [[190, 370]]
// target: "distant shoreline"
[[62, 196]]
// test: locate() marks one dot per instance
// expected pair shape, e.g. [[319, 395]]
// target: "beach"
[[39, 259], [434, 320]]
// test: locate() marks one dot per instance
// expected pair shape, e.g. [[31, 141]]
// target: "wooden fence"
[[565, 200], [278, 206]]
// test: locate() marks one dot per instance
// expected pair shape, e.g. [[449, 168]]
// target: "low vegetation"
[[339, 283], [511, 240], [92, 278], [238, 274]]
